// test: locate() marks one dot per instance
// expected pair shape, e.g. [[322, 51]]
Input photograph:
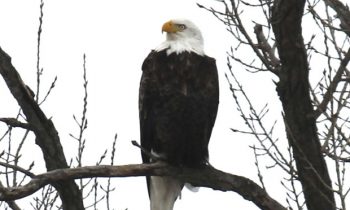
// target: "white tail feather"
[[191, 187], [164, 192]]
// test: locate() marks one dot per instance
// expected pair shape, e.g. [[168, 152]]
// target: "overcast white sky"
[[116, 36]]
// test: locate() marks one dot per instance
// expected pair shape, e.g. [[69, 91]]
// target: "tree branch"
[[13, 122], [333, 85], [205, 177], [342, 12], [12, 204], [265, 47], [46, 135], [17, 168], [231, 17]]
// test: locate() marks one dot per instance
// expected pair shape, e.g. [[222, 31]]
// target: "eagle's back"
[[178, 101]]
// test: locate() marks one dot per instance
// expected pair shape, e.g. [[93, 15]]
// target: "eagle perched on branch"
[[178, 103]]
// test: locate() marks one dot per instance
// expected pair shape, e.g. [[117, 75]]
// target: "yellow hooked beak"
[[169, 27]]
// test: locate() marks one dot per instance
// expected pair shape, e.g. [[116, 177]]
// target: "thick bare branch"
[[205, 177], [13, 122], [46, 135], [12, 204]]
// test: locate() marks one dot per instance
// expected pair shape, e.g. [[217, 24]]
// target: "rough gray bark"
[[293, 89], [46, 135]]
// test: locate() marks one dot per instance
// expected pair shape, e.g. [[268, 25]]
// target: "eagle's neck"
[[178, 44]]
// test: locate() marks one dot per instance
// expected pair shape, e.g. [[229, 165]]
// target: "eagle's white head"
[[182, 35]]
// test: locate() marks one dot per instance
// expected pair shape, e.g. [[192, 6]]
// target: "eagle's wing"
[[147, 95], [211, 90]]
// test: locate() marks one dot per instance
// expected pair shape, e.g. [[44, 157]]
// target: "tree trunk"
[[293, 89]]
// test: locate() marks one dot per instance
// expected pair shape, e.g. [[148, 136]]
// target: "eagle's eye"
[[181, 27]]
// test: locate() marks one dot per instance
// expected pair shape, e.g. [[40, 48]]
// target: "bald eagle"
[[178, 103]]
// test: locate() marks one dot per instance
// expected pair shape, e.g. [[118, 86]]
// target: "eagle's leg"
[[163, 192]]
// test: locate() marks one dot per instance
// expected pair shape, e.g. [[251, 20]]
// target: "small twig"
[[109, 189], [149, 154], [333, 86], [261, 178], [38, 70], [17, 168], [49, 91]]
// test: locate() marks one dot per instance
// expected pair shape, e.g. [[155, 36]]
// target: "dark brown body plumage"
[[178, 102]]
